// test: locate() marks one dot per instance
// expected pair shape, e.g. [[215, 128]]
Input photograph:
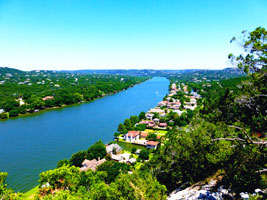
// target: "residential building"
[[132, 136], [113, 147], [91, 164], [152, 144]]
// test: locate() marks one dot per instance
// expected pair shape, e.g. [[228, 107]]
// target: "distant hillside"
[[151, 72]]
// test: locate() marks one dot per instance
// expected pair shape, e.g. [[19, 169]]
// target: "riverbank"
[[166, 109], [37, 142], [42, 110]]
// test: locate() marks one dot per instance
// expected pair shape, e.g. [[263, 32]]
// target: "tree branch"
[[251, 141], [262, 171], [229, 139]]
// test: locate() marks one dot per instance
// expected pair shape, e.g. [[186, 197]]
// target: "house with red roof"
[[163, 125], [132, 136], [47, 98], [152, 144], [143, 134]]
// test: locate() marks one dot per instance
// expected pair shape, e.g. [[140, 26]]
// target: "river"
[[35, 143]]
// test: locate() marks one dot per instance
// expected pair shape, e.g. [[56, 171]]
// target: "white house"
[[149, 116], [132, 136], [110, 148]]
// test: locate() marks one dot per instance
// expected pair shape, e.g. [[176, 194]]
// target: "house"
[[131, 161], [91, 164], [113, 147], [138, 151], [156, 110], [143, 134], [125, 158], [190, 107], [132, 136], [145, 122], [162, 103], [47, 98], [179, 112], [163, 125], [151, 125], [117, 158], [152, 144], [156, 120], [163, 115], [149, 116]]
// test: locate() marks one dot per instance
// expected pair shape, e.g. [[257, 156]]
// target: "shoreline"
[[29, 114]]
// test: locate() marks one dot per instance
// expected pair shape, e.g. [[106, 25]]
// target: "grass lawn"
[[150, 131], [122, 140], [31, 192], [162, 132], [138, 165]]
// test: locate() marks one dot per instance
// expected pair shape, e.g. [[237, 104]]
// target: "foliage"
[[6, 193], [144, 154], [142, 115], [255, 46], [134, 119], [113, 169], [122, 129], [66, 88], [62, 162], [91, 185], [61, 177], [128, 124], [189, 156], [134, 149], [152, 137], [97, 150], [140, 127], [77, 158]]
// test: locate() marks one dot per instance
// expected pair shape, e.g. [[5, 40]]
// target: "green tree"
[[13, 113], [134, 119], [142, 115], [77, 158], [140, 127], [97, 150], [128, 124], [122, 129], [113, 169], [64, 176], [10, 105], [133, 150], [116, 134], [35, 102], [255, 45], [77, 97], [5, 192], [152, 137], [62, 162], [144, 154], [3, 116]]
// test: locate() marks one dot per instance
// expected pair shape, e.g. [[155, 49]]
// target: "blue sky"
[[112, 34]]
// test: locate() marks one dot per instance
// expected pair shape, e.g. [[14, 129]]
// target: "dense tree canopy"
[[24, 92]]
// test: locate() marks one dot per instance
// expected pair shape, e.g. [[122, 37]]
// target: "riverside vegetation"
[[224, 140], [24, 92]]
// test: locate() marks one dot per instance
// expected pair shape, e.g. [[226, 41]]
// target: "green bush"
[[13, 113]]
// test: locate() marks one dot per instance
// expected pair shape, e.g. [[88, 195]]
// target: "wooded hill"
[[24, 92]]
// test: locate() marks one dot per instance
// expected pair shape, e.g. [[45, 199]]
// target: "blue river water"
[[32, 144]]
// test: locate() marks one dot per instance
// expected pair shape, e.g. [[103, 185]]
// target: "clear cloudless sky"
[[113, 34]]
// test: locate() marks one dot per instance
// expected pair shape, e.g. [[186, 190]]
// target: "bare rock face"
[[210, 191], [201, 191]]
